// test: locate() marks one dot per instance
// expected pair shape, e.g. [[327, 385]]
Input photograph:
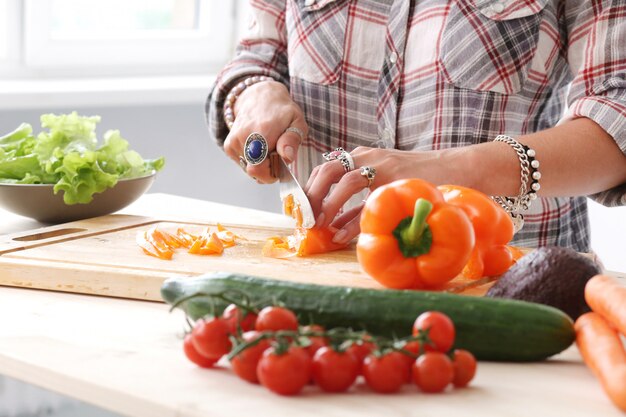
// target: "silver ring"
[[333, 155], [369, 173], [242, 163], [297, 131], [255, 149], [347, 161]]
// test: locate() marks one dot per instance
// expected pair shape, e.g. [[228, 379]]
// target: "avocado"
[[552, 275]]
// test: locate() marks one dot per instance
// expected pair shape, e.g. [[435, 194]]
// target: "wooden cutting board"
[[100, 256]]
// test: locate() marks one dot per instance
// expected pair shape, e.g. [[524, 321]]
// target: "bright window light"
[[122, 18], [126, 37], [4, 18]]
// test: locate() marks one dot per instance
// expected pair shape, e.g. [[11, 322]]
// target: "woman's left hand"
[[390, 165]]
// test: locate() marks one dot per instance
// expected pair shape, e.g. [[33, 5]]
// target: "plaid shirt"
[[434, 74]]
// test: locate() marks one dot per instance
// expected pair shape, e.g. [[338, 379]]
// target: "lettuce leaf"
[[68, 155]]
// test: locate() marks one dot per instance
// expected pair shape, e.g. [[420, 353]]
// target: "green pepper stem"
[[412, 234]]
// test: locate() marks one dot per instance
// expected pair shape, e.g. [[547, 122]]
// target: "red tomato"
[[414, 348], [464, 364], [284, 374], [317, 342], [245, 363], [276, 318], [441, 331], [210, 338], [433, 372], [195, 357], [360, 350], [387, 373], [233, 316], [334, 371]]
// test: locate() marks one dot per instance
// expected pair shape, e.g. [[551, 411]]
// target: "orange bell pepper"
[[493, 229], [411, 238], [303, 242]]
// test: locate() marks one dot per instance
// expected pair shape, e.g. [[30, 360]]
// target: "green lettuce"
[[69, 156]]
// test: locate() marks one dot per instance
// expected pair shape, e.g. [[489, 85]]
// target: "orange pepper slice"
[[303, 242], [152, 246]]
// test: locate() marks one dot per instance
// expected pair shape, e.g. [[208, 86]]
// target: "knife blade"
[[289, 185]]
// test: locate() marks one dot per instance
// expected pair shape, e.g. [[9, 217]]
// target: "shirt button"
[[308, 3], [497, 7], [393, 58]]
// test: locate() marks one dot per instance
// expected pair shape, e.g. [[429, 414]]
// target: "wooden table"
[[126, 356]]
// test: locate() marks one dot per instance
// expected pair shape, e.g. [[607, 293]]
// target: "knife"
[[289, 185]]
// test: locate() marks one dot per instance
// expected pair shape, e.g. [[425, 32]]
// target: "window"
[[9, 35], [115, 37], [3, 33]]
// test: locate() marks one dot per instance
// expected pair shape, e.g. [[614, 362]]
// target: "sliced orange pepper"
[[278, 247], [161, 244], [153, 247], [303, 242], [212, 246], [316, 240], [185, 237], [227, 237], [169, 239]]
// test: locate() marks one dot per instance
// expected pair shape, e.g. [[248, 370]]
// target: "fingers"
[[326, 175], [350, 184], [289, 142], [347, 216], [311, 179], [234, 149], [350, 225]]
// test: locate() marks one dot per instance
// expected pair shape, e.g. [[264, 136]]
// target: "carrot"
[[603, 352], [607, 297]]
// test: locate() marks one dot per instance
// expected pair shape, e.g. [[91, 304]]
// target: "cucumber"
[[492, 329]]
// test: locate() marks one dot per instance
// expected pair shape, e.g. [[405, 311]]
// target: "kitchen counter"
[[126, 356]]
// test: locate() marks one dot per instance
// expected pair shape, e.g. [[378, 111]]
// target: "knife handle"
[[274, 165]]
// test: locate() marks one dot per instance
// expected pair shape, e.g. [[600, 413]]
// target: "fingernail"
[[320, 220], [290, 154], [340, 236]]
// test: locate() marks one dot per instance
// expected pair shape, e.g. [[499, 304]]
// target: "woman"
[[519, 99]]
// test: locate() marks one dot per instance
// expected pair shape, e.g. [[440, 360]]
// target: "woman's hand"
[[437, 167], [266, 108]]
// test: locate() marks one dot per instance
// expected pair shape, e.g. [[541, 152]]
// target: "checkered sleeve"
[[261, 51], [597, 57]]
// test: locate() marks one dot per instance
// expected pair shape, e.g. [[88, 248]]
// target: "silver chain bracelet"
[[529, 170]]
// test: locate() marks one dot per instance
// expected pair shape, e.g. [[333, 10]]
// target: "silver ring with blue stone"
[[255, 149]]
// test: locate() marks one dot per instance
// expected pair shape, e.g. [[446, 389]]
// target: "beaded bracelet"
[[529, 170], [233, 95]]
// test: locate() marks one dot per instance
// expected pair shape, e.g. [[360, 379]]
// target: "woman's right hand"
[[266, 108]]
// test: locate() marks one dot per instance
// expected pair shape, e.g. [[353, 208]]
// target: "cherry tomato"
[[360, 350], [433, 372], [285, 374], [245, 363], [276, 318], [317, 342], [210, 338], [233, 316], [464, 364], [414, 348], [334, 371], [387, 373], [441, 331], [195, 357]]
